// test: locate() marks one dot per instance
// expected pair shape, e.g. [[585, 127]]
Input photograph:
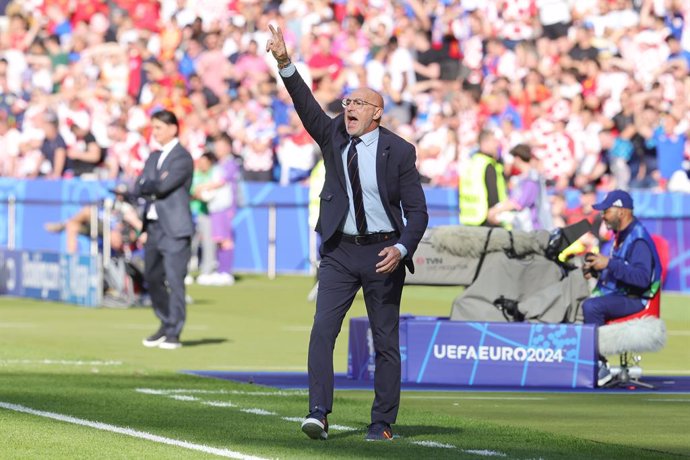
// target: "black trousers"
[[344, 268], [166, 260]]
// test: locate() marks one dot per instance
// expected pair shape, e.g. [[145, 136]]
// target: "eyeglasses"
[[358, 103]]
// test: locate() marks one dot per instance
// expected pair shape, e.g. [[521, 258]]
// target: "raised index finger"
[[274, 32]]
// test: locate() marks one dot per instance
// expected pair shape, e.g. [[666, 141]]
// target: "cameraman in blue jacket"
[[630, 276]]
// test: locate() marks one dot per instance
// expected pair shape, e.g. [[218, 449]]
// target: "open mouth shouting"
[[362, 111], [351, 123]]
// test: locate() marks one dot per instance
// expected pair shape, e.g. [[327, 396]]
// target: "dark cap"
[[616, 198]]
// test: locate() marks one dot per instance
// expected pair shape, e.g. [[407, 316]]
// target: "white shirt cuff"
[[288, 71]]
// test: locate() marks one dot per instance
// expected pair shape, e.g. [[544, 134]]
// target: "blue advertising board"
[[436, 350], [41, 201], [70, 278]]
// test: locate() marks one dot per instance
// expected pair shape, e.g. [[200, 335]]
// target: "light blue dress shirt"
[[377, 219]]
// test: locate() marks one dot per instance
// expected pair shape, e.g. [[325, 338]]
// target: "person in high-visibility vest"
[[482, 182], [316, 180], [528, 207]]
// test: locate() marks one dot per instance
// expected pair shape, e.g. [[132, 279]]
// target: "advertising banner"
[[436, 350], [69, 278], [287, 247]]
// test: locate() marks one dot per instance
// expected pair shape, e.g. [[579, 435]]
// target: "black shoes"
[[160, 340], [170, 343], [604, 375], [316, 425], [155, 339], [379, 431]]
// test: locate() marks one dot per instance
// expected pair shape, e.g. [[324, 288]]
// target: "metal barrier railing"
[[11, 222], [12, 204], [104, 209], [106, 205]]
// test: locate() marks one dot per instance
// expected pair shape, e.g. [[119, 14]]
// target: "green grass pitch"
[[77, 383]]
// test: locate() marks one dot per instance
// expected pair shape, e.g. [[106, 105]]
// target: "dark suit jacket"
[[396, 174], [171, 184]]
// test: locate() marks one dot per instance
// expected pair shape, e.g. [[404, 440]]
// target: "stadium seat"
[[640, 332]]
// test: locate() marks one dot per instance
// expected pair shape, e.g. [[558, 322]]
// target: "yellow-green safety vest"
[[474, 198], [316, 180]]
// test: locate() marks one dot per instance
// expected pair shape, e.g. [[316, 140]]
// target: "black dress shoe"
[[315, 425], [379, 431], [155, 339], [170, 343]]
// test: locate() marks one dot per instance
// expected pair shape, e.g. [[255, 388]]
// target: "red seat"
[[640, 332], [653, 307]]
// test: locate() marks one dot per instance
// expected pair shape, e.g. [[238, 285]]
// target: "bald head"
[[363, 114], [373, 96]]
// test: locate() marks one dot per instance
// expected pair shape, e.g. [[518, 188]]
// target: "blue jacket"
[[634, 268]]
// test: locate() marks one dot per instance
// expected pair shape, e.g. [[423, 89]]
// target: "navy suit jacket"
[[171, 185], [398, 180]]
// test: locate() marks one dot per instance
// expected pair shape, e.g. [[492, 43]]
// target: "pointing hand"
[[276, 45]]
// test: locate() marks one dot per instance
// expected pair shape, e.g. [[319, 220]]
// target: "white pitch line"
[[257, 411], [63, 362], [153, 391], [175, 394], [250, 410], [433, 444], [485, 453], [218, 404], [668, 400], [340, 427], [129, 432], [183, 397]]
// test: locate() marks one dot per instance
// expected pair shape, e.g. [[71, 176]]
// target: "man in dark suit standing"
[[165, 183], [371, 181]]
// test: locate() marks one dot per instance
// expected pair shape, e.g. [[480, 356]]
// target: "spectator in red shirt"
[[324, 64]]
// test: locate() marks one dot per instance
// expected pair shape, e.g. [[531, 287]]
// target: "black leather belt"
[[371, 238]]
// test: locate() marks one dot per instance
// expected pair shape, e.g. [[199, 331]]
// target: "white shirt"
[[165, 151], [553, 11]]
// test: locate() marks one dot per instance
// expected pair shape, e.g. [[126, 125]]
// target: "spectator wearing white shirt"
[[127, 152], [10, 138], [401, 78], [554, 17]]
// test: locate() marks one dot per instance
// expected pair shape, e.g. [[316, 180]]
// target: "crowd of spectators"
[[599, 89]]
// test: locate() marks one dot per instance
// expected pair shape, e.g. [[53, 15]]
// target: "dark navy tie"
[[353, 172]]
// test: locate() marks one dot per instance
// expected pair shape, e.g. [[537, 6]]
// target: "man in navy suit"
[[165, 183], [371, 182]]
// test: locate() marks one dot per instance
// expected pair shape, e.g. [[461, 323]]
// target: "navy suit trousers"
[[344, 268], [166, 260]]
